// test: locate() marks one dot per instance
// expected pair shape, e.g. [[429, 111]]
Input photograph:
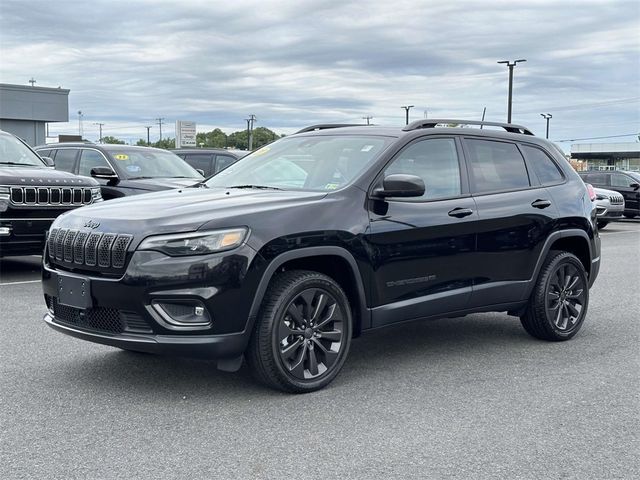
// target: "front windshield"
[[635, 175], [14, 152], [318, 163], [148, 163]]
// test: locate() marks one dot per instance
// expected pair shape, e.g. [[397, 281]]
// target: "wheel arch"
[[574, 241], [335, 262]]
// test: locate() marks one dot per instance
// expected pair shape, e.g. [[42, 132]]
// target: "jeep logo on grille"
[[91, 224]]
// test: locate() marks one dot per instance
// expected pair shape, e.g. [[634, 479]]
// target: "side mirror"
[[401, 185], [49, 161], [104, 172], [635, 185]]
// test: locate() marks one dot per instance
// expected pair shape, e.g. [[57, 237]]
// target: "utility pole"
[[148, 140], [426, 113], [80, 129], [367, 118], [32, 81], [100, 125], [406, 110], [160, 120], [248, 134], [511, 65], [547, 117], [252, 119]]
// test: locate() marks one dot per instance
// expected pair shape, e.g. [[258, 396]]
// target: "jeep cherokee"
[[286, 255]]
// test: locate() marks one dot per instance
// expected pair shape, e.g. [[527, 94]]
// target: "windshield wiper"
[[19, 163], [260, 187], [140, 178]]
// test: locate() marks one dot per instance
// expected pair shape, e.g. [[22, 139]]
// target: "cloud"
[[298, 63]]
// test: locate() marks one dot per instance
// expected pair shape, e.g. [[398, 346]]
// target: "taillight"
[[592, 192]]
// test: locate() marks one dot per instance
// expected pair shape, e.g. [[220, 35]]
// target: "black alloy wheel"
[[310, 334], [558, 304], [303, 332]]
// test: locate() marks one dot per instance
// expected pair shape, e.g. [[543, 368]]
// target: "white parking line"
[[20, 283]]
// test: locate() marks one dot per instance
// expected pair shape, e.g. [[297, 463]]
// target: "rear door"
[[422, 248], [65, 159], [516, 215]]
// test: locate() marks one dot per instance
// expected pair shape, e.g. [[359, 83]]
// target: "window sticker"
[[262, 151], [121, 156], [366, 148], [331, 186], [133, 168]]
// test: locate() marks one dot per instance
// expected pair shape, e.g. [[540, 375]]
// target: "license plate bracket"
[[74, 291]]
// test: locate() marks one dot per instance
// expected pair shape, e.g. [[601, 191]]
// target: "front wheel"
[[302, 334], [630, 215], [558, 304]]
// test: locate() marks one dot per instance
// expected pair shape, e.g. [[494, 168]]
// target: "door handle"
[[541, 203], [460, 212]]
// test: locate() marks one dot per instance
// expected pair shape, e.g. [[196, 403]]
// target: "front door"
[[421, 248], [621, 182]]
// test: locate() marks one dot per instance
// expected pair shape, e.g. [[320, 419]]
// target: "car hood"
[[157, 184], [604, 191], [184, 210], [26, 176]]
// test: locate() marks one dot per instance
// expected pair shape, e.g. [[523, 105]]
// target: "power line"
[[596, 138]]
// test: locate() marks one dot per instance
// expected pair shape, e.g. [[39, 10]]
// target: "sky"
[[297, 63]]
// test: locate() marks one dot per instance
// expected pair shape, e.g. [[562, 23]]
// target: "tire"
[[630, 215], [302, 334], [560, 299], [602, 224]]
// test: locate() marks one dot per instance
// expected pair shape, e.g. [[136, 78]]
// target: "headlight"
[[5, 192], [96, 195], [196, 243], [5, 195]]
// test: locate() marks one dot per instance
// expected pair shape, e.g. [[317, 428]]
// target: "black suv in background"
[[32, 195], [122, 170], [210, 160], [626, 184], [290, 252]]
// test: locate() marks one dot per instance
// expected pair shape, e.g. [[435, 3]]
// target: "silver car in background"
[[609, 206]]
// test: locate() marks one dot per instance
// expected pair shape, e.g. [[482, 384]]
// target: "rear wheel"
[[558, 304], [303, 332]]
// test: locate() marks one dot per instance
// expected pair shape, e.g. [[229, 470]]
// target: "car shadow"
[[440, 341], [20, 268]]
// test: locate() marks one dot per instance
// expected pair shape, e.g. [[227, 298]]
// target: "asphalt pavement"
[[472, 397]]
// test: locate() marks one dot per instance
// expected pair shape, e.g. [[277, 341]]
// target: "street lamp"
[[511, 65], [80, 130], [406, 110], [547, 117]]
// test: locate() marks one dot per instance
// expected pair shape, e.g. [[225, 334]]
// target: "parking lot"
[[472, 397]]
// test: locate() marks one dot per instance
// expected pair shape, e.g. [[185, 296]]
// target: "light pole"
[[367, 118], [511, 65], [148, 142], [547, 117], [406, 111], [80, 131]]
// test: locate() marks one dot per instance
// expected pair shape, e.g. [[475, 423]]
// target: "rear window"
[[66, 159], [496, 166], [544, 167], [595, 178]]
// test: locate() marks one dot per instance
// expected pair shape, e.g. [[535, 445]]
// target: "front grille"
[[78, 247], [98, 319], [616, 199], [46, 196]]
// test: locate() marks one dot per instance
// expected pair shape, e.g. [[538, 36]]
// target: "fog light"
[[183, 313], [5, 231]]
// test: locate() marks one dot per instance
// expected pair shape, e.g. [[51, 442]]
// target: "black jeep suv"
[[32, 195], [290, 252], [626, 184]]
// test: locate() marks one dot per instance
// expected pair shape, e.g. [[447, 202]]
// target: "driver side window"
[[90, 159], [436, 162]]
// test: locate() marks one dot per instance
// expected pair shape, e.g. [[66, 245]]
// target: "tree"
[[213, 139], [113, 140], [141, 142], [165, 143]]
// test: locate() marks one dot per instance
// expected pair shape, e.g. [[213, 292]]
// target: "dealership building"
[[26, 110], [606, 156]]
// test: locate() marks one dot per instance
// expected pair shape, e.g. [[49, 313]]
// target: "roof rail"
[[326, 126], [432, 123]]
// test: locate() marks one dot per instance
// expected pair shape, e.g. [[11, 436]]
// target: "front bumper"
[[121, 310], [205, 346], [23, 236]]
